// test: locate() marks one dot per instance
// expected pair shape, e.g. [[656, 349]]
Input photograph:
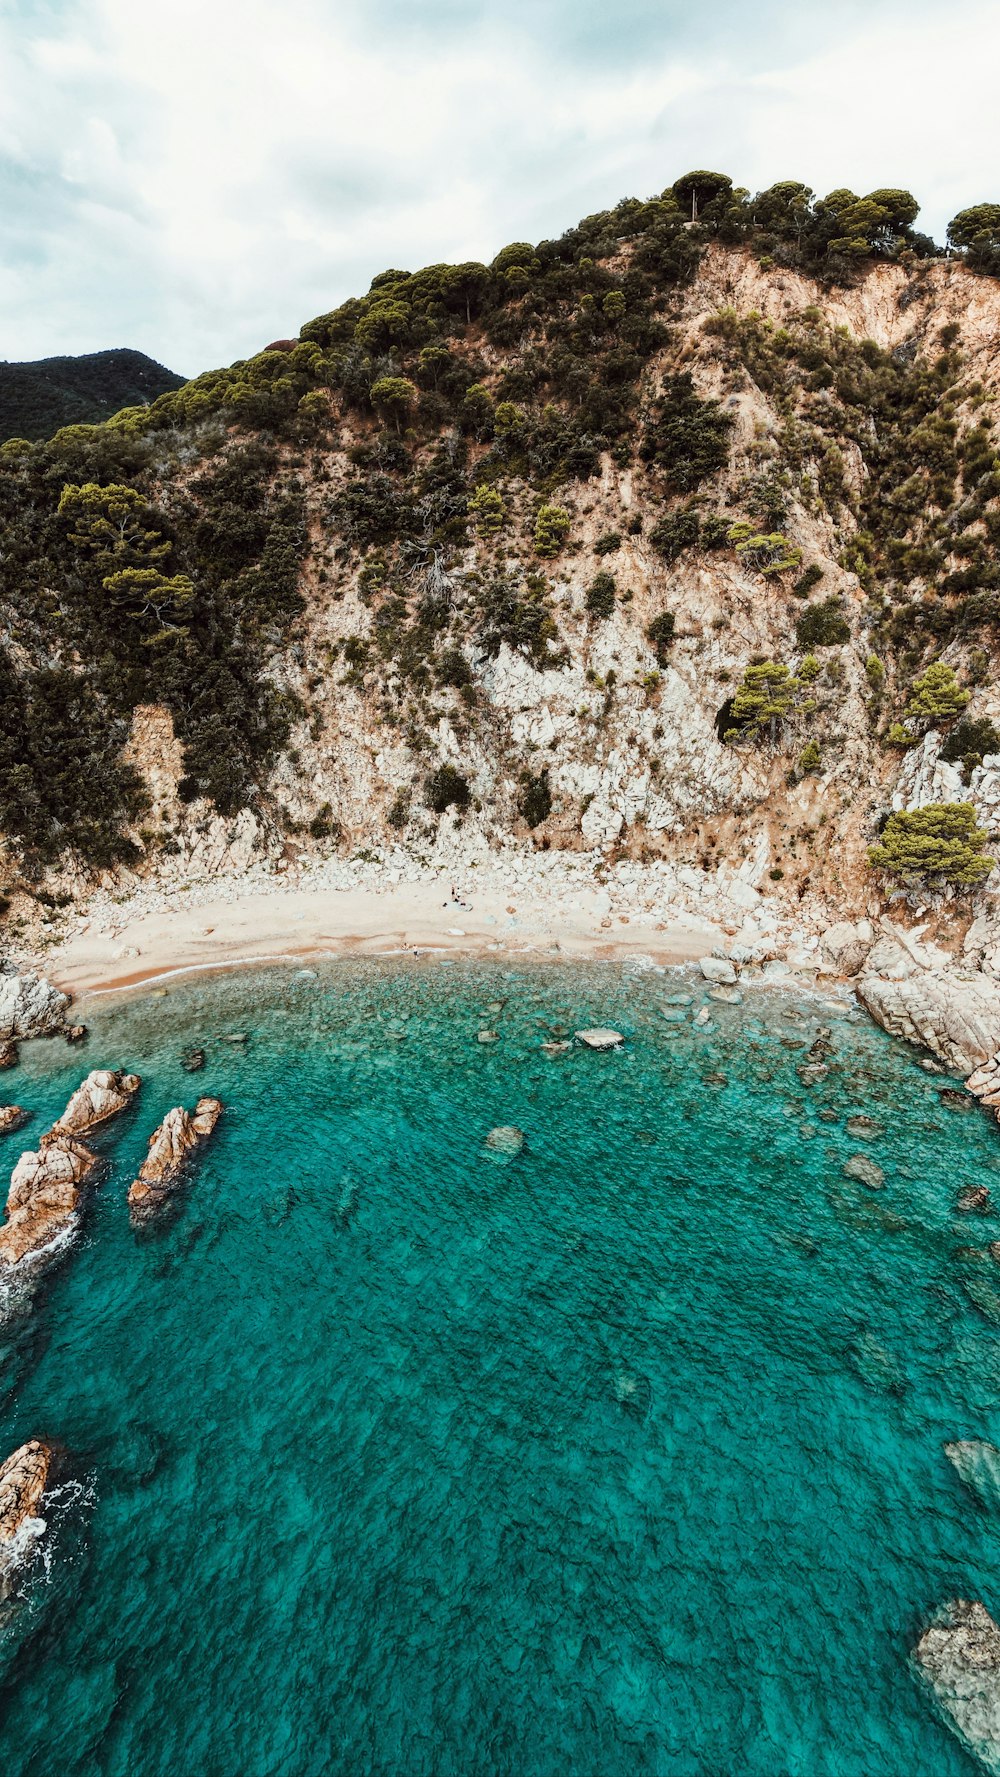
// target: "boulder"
[[8, 1054], [600, 1038], [23, 1479], [718, 969], [12, 1117], [30, 1007], [954, 1016], [170, 1147], [959, 1656], [102, 1095], [46, 1191]]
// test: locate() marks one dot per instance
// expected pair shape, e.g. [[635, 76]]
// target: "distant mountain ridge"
[[36, 398]]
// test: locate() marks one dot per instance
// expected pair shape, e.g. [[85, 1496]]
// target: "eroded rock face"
[[23, 1478], [30, 1007], [956, 1017], [48, 1183], [959, 1655], [170, 1146], [102, 1095]]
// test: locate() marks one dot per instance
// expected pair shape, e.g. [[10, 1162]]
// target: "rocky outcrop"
[[170, 1148], [102, 1095], [23, 1479], [48, 1183], [12, 1117], [30, 1007], [954, 1013], [959, 1655]]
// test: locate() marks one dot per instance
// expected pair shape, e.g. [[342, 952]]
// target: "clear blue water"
[[624, 1457]]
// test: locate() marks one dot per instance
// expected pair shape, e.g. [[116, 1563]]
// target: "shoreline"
[[406, 920]]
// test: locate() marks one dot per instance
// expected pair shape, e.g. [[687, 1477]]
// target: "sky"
[[197, 178]]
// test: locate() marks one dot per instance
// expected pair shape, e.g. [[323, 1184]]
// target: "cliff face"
[[853, 437]]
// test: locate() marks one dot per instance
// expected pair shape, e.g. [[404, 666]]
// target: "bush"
[[810, 758], [969, 742], [486, 507], [676, 532], [822, 625], [601, 595], [935, 696], [767, 553], [765, 700], [661, 633], [875, 673], [551, 529], [446, 788], [940, 840], [535, 804], [686, 437], [805, 583], [608, 543]]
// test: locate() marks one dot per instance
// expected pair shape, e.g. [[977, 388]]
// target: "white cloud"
[[196, 179]]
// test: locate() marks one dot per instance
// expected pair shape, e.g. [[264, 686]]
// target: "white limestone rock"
[[959, 1656]]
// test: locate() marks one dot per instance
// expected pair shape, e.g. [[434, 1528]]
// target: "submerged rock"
[[859, 1166], [170, 1147], [505, 1142], [193, 1061], [974, 1200], [864, 1128], [954, 1099], [23, 1478], [102, 1095], [12, 1117], [727, 996], [959, 1655], [600, 1038], [978, 1465]]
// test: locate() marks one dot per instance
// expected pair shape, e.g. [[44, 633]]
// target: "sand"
[[304, 923]]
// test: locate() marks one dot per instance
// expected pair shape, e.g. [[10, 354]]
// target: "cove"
[[391, 1454]]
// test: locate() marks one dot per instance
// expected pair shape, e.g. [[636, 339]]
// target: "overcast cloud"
[[197, 178]]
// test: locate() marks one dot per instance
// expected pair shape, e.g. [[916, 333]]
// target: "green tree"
[[784, 209], [601, 595], [110, 526], [613, 306], [940, 840], [686, 437], [661, 633], [535, 801], [764, 701], [975, 235], [476, 414], [694, 190], [486, 507], [935, 696], [393, 396], [446, 788], [145, 592], [769, 553], [551, 529]]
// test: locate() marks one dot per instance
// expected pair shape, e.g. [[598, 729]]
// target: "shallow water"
[[393, 1456]]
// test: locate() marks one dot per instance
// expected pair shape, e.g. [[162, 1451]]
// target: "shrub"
[[676, 532], [453, 669], [686, 437], [607, 544], [601, 595], [551, 529], [661, 633], [822, 625], [446, 788], [936, 695], [486, 507], [875, 673], [805, 583], [940, 840], [969, 742], [767, 553], [535, 804], [810, 758]]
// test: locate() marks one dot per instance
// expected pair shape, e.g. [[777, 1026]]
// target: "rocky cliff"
[[502, 578]]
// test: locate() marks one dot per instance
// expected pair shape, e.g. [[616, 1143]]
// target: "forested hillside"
[[687, 520], [37, 398]]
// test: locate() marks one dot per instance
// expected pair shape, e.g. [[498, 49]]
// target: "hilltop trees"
[[975, 235]]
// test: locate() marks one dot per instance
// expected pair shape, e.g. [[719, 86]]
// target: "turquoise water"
[[389, 1457]]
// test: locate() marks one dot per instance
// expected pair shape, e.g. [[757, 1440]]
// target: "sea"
[[392, 1453]]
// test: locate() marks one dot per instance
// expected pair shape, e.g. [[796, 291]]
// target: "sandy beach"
[[299, 922]]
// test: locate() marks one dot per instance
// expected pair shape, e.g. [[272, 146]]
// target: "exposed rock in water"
[[102, 1095], [978, 1465], [859, 1166], [505, 1141], [48, 1183], [12, 1117], [170, 1147], [812, 1072], [727, 996], [30, 1007], [486, 1037], [955, 1100], [23, 1479], [193, 1061], [718, 969], [76, 1033], [959, 1655], [600, 1038], [8, 1054]]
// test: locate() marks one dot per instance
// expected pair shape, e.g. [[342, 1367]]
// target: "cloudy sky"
[[195, 178]]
